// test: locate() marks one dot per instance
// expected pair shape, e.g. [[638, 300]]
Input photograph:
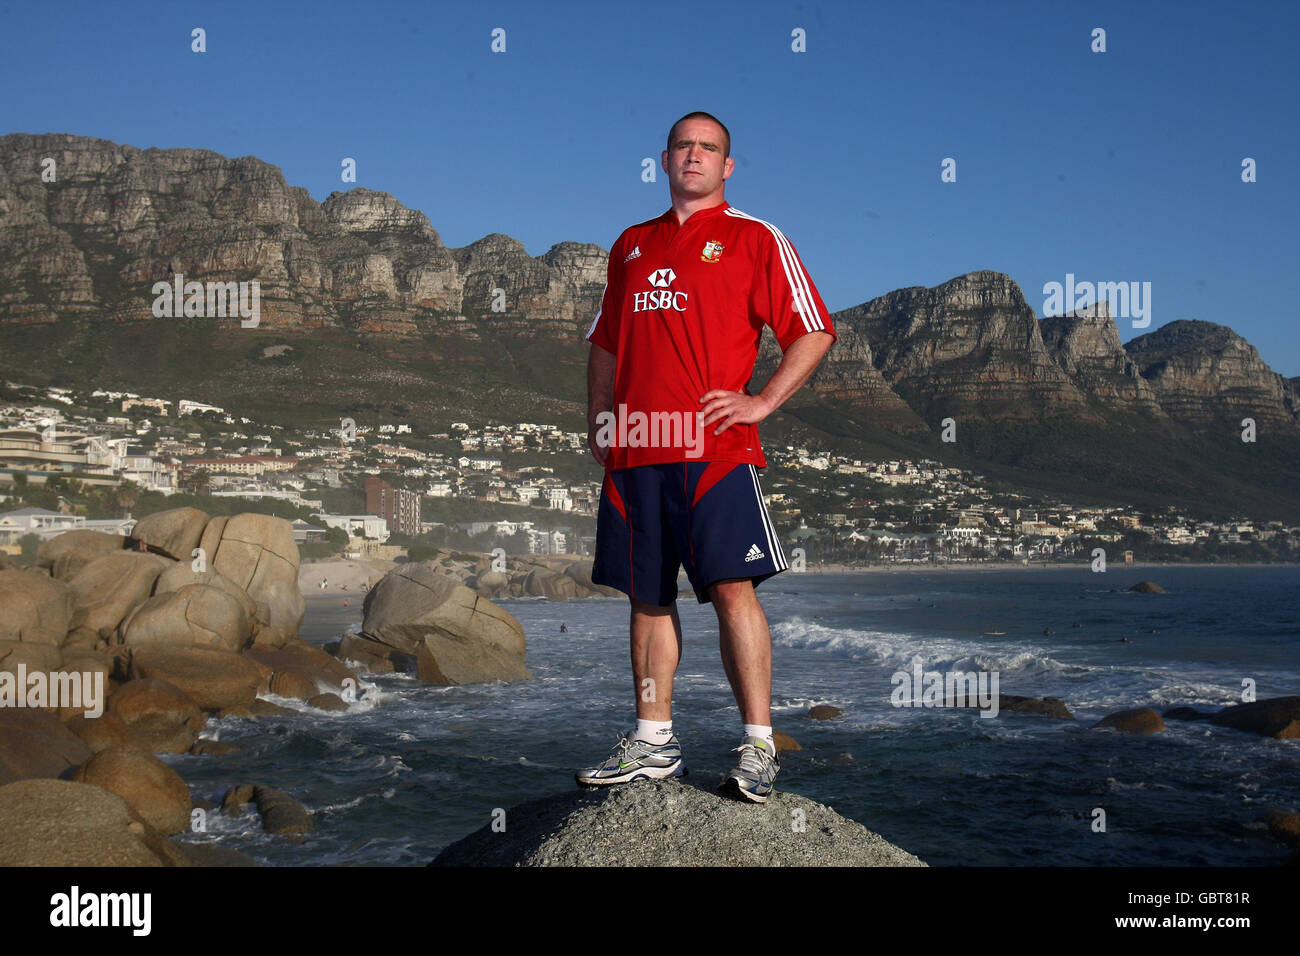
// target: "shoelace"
[[752, 759]]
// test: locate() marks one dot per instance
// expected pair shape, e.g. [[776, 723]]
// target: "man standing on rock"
[[671, 419]]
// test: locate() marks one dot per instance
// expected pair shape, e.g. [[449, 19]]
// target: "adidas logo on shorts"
[[754, 554]]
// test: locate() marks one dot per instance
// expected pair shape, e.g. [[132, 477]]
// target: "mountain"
[[365, 312]]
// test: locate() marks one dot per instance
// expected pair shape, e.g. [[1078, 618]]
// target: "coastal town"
[[99, 459]]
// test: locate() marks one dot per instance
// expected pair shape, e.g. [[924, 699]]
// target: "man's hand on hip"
[[733, 408]]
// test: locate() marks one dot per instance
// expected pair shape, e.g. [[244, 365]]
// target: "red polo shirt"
[[683, 312]]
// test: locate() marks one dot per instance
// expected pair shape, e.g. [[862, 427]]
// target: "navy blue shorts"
[[708, 516]]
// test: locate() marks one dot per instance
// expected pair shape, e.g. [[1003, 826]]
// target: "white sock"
[[762, 731], [654, 731]]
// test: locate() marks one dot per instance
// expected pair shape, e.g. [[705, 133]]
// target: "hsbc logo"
[[661, 296]]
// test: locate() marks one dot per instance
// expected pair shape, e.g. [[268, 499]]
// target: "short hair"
[[700, 114]]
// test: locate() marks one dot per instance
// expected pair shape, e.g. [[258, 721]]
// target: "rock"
[[34, 608], [370, 656], [328, 702], [542, 582], [456, 636], [824, 712], [1277, 717], [281, 813], [1284, 826], [108, 588], [213, 748], [672, 823], [160, 714], [35, 743], [293, 684], [784, 742], [180, 575], [175, 533], [257, 553], [272, 638], [1137, 720], [206, 854], [65, 554], [490, 583], [35, 657], [213, 678], [266, 708], [100, 733], [1186, 713], [62, 823], [151, 788], [1147, 587], [212, 537], [197, 614], [307, 660], [236, 798], [1046, 706]]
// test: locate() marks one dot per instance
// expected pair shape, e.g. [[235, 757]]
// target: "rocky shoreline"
[[195, 617]]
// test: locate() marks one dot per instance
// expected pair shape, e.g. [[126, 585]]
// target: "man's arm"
[[797, 365], [600, 394]]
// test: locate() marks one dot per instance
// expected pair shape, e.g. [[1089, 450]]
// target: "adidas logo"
[[754, 554], [636, 251]]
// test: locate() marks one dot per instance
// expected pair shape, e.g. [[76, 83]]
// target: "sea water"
[[411, 767]]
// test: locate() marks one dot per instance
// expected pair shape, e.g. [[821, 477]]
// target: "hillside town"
[[96, 459]]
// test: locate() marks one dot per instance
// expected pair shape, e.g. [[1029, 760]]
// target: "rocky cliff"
[[1206, 375], [1088, 350]]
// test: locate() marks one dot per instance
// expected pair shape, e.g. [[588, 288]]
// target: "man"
[[670, 418]]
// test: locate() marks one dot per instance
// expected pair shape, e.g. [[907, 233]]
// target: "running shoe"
[[757, 769], [635, 759]]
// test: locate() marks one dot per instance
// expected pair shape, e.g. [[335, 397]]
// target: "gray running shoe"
[[752, 779], [635, 759]]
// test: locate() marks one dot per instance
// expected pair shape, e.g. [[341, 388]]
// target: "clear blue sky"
[[1115, 166]]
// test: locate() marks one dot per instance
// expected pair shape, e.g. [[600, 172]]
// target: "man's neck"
[[686, 207]]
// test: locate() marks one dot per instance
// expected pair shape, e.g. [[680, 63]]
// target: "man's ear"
[[728, 167], [663, 160]]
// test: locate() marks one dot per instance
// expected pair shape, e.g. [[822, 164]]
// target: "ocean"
[[412, 767]]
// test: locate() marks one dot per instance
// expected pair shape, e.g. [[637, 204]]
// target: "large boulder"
[[1276, 717], [161, 715], [108, 588], [214, 679], [258, 554], [552, 585], [182, 575], [371, 656], [105, 731], [175, 532], [456, 636], [35, 608], [62, 823], [304, 659], [33, 657], [66, 554], [151, 788], [196, 614], [672, 823], [35, 743]]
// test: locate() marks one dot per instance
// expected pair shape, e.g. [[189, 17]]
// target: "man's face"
[[694, 159]]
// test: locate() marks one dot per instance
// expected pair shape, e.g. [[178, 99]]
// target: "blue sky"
[[1115, 166]]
